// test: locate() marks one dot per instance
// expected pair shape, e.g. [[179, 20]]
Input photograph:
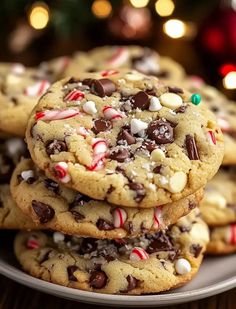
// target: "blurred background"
[[201, 35]]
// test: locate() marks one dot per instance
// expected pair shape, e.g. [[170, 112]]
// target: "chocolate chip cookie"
[[142, 59], [149, 264], [126, 138], [70, 212]]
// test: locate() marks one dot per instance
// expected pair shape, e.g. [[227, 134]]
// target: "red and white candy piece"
[[106, 73], [157, 218], [61, 171], [99, 146], [37, 89], [232, 234], [56, 114], [74, 95], [111, 114], [223, 123], [32, 243], [119, 217], [119, 57], [62, 63], [138, 254], [211, 137], [82, 131]]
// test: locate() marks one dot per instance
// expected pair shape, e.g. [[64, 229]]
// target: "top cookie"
[[125, 137], [142, 59]]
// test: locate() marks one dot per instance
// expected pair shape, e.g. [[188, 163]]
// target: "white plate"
[[215, 276]]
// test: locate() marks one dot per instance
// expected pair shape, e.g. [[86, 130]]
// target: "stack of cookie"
[[118, 164], [218, 206]]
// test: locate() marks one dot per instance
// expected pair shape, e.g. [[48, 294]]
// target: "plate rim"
[[21, 277]]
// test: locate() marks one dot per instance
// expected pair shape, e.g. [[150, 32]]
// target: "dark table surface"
[[16, 296]]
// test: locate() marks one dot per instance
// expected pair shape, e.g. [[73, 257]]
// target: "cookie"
[[218, 206], [224, 110], [70, 212], [55, 68], [149, 264], [142, 59], [126, 138], [19, 93], [222, 240], [11, 217]]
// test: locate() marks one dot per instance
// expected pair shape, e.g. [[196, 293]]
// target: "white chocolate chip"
[[177, 182], [133, 76], [137, 126], [13, 79], [157, 155], [171, 100], [182, 266], [27, 174], [58, 237], [155, 104], [215, 199], [89, 107]]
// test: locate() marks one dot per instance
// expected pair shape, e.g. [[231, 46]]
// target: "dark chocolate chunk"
[[161, 243], [129, 227], [149, 145], [80, 200], [72, 80], [45, 257], [161, 131], [87, 245], [101, 125], [184, 229], [70, 271], [51, 185], [232, 206], [191, 148], [104, 225], [98, 279], [132, 284], [139, 189], [196, 249], [140, 100], [181, 109], [175, 90], [120, 154], [55, 147], [88, 82], [77, 215], [103, 87], [111, 189], [44, 212], [157, 169], [125, 136], [192, 205]]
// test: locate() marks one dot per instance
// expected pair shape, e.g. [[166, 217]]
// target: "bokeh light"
[[229, 80], [39, 15], [139, 3], [164, 7], [101, 8], [175, 28]]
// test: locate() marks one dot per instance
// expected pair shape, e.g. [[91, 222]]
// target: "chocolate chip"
[[120, 154], [125, 136], [161, 243], [132, 284], [161, 131], [104, 225], [157, 169], [192, 205], [195, 249], [175, 90], [88, 82], [111, 189], [149, 145], [184, 229], [44, 212], [51, 185], [129, 227], [181, 109], [151, 92], [139, 189], [103, 87], [80, 200], [70, 271], [98, 279], [140, 100], [191, 148], [30, 180], [55, 147], [45, 257], [14, 100], [87, 245], [72, 80], [77, 215], [232, 206], [101, 125]]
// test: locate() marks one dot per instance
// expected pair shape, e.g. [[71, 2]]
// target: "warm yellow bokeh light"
[[164, 7], [39, 16], [101, 8], [175, 28], [229, 80], [139, 3]]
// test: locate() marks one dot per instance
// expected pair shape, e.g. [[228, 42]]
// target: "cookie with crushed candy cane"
[[125, 137], [148, 264]]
